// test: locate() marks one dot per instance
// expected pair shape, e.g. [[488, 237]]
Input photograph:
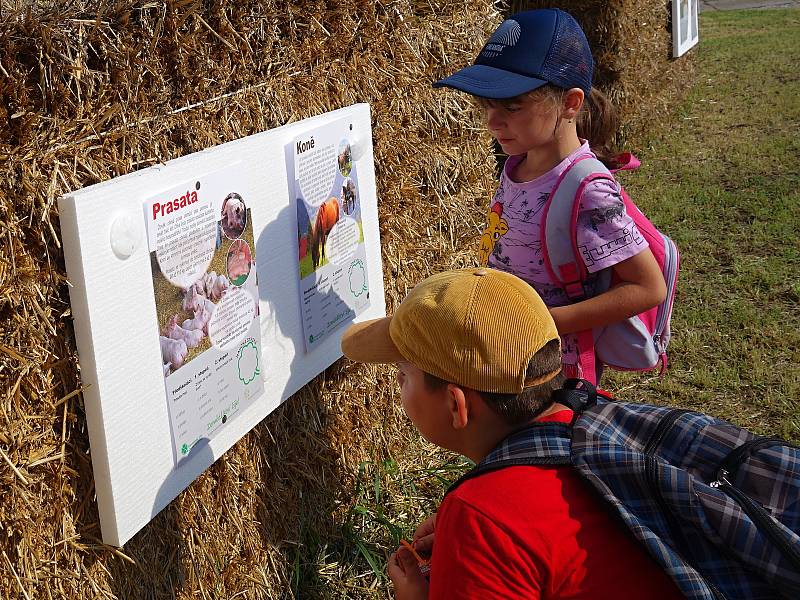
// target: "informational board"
[[203, 297], [685, 29]]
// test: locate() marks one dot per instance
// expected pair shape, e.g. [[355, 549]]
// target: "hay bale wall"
[[86, 96], [632, 46]]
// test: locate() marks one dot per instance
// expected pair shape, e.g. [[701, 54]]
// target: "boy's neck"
[[540, 160], [484, 435]]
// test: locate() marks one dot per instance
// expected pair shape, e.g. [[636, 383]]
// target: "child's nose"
[[494, 117]]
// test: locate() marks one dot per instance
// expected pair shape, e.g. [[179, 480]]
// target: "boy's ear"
[[458, 405], [573, 101]]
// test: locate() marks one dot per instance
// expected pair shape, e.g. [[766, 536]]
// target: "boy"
[[478, 358]]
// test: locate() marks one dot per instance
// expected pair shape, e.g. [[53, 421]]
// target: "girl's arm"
[[641, 287]]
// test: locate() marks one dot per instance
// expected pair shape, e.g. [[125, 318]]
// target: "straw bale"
[[90, 91], [632, 47]]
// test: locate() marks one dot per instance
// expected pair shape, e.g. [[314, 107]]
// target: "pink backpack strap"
[[559, 235], [559, 224], [587, 364]]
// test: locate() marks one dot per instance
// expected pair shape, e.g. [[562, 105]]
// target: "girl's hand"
[[409, 583], [423, 536]]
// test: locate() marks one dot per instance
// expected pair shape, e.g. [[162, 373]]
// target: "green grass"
[[389, 501], [722, 179], [306, 268]]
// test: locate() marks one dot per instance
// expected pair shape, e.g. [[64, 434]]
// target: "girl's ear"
[[572, 103], [458, 405]]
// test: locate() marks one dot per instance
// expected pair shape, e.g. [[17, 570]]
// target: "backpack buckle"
[[577, 395], [574, 290], [571, 278]]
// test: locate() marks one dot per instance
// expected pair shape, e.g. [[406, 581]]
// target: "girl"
[[533, 80]]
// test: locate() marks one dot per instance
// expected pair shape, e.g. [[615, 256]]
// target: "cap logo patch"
[[506, 36]]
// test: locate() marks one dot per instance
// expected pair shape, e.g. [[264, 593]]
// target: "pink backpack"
[[638, 343]]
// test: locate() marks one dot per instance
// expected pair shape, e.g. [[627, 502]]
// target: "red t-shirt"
[[537, 532]]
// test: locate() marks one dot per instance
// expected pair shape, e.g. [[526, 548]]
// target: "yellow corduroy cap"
[[478, 328]]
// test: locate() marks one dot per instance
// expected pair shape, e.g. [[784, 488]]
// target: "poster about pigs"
[[202, 254], [332, 267]]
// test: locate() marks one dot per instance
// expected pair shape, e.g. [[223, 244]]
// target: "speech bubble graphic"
[[185, 244], [343, 240], [316, 170], [231, 318]]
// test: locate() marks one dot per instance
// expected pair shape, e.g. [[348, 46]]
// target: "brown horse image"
[[327, 216]]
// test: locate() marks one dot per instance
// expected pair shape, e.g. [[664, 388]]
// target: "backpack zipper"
[[757, 513], [734, 459], [729, 464], [662, 429], [762, 520], [650, 472], [651, 476], [662, 315]]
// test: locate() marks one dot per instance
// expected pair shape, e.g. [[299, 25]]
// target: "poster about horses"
[[323, 181], [200, 237]]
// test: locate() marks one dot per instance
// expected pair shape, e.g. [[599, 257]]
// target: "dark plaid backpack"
[[716, 506]]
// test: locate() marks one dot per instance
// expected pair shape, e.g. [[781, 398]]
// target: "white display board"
[[199, 305], [685, 28]]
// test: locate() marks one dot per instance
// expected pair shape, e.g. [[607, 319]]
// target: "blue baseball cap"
[[528, 50]]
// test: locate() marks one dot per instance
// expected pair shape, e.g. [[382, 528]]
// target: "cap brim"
[[370, 342], [490, 82]]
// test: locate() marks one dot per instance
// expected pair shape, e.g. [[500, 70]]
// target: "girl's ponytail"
[[597, 122]]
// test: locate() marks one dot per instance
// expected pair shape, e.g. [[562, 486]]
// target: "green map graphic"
[[248, 362], [358, 278]]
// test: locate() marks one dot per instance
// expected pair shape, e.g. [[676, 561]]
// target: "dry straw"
[[90, 91]]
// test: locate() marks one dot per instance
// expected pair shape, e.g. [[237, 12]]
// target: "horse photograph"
[[327, 217], [345, 158], [348, 197]]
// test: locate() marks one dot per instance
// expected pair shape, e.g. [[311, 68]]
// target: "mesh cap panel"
[[569, 63]]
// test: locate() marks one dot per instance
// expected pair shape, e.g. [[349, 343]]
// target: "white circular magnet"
[[125, 236], [357, 147]]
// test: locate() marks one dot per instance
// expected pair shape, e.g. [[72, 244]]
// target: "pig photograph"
[[239, 261], [233, 216], [188, 329]]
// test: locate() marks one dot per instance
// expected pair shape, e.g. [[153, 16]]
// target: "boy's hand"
[[423, 536], [409, 583]]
